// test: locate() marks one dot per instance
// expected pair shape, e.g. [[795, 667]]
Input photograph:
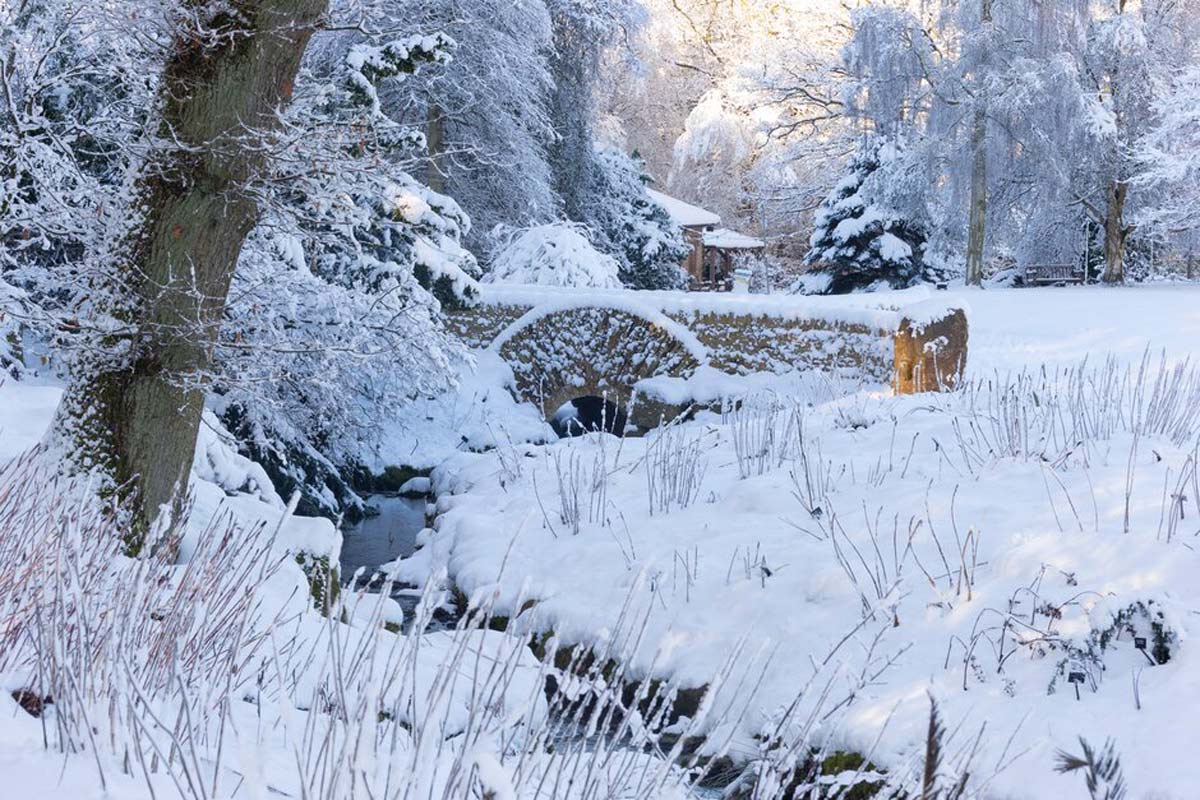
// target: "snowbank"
[[480, 413], [890, 547]]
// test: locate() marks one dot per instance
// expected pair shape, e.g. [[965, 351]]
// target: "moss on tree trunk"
[[139, 420]]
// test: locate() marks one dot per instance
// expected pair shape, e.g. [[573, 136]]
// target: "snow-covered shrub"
[[557, 254], [859, 243]]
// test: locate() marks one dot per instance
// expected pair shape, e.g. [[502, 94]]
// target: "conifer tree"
[[859, 243], [631, 227]]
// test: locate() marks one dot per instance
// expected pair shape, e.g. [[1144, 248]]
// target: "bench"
[[1042, 274]]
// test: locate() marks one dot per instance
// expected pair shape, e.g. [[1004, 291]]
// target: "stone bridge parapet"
[[568, 343]]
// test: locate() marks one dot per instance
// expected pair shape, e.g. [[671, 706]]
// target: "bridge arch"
[[559, 353]]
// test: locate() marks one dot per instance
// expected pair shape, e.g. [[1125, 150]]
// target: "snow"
[[711, 387], [418, 485], [217, 461], [879, 310], [476, 689], [26, 410], [935, 309], [893, 248], [685, 215], [726, 239], [1013, 329], [557, 254], [984, 532], [478, 414], [852, 227], [629, 303]]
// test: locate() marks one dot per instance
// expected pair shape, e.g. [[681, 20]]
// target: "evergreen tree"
[[859, 243], [628, 225]]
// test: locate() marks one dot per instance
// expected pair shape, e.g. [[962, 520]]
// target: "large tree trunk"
[[977, 216], [139, 422], [1115, 233], [977, 219]]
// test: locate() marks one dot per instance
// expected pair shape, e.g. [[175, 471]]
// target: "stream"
[[389, 535]]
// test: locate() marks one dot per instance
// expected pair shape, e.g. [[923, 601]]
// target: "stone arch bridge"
[[563, 344]]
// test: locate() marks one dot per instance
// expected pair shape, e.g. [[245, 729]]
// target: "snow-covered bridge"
[[564, 344]]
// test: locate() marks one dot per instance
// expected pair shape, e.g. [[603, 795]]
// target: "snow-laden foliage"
[[486, 112], [1026, 131], [79, 86], [712, 157], [738, 105], [859, 242], [1040, 117], [628, 224], [557, 254], [1169, 157], [334, 321]]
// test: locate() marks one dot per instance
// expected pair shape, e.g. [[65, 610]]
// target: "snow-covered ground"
[[1013, 329], [858, 553], [214, 674], [978, 547], [479, 414]]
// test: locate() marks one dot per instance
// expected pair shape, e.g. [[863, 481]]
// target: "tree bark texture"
[[1115, 232], [139, 422], [977, 215]]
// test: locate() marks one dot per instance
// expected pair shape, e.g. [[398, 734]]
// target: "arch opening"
[[588, 414], [562, 356]]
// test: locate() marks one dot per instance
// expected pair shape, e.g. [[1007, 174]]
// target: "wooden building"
[[710, 264]]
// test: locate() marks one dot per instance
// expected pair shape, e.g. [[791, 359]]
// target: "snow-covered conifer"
[[859, 243], [630, 226]]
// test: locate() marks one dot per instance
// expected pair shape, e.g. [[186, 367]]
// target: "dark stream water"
[[383, 538]]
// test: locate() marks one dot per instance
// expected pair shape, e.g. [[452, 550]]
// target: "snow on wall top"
[[879, 310], [684, 214], [619, 301], [732, 240], [932, 310]]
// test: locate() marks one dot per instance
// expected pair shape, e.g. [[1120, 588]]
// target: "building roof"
[[684, 214], [725, 239]]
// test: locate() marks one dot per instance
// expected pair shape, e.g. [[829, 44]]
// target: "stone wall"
[[741, 344], [916, 348]]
